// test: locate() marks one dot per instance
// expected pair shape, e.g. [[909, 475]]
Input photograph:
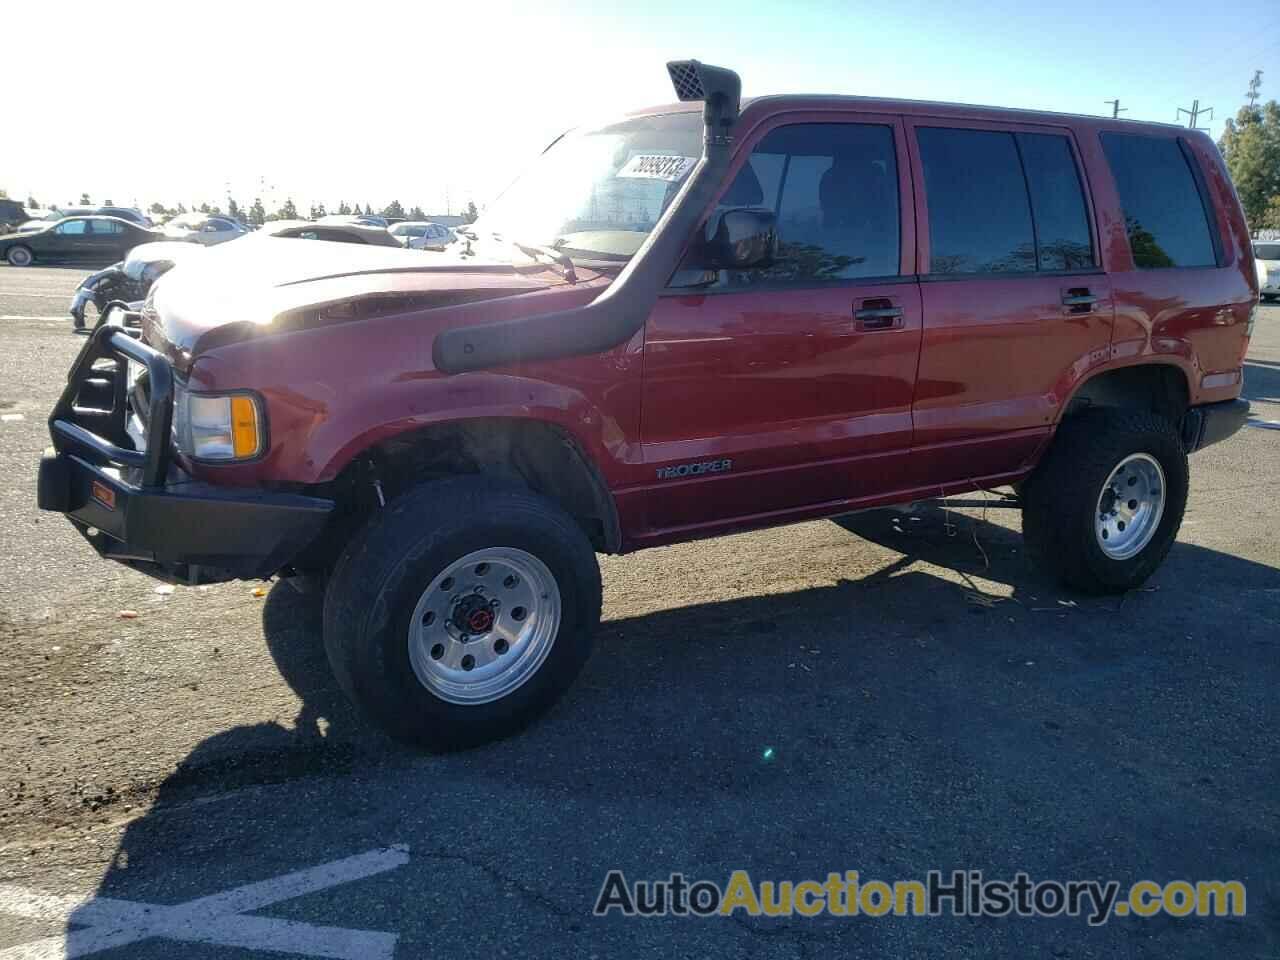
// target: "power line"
[[1116, 109], [1194, 114]]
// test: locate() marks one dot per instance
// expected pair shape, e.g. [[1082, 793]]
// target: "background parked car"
[[203, 228], [323, 230], [89, 239], [369, 219], [421, 235], [1267, 254], [132, 214], [12, 214]]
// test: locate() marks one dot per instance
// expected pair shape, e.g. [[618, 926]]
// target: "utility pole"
[[1254, 84], [1116, 109], [1194, 114]]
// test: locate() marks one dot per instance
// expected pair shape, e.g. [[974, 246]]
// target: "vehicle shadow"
[[952, 709], [1262, 380]]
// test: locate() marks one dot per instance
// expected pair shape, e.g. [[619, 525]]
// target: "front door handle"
[[878, 314], [1078, 300]]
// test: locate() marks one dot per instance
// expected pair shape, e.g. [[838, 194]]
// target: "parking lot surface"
[[882, 693]]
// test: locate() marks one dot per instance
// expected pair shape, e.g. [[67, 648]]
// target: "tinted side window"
[[72, 228], [1163, 210], [979, 215], [1057, 202], [834, 189], [103, 227]]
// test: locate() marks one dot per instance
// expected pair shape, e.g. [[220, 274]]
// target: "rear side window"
[[1003, 202], [1164, 212], [979, 211]]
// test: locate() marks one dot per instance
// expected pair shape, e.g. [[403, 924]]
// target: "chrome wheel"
[[1130, 507], [19, 256], [484, 625]]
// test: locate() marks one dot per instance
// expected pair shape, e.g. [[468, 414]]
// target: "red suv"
[[701, 318]]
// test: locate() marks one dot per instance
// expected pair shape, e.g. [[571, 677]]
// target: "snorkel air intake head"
[[719, 89]]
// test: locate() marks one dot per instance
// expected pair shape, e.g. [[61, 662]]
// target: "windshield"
[[1267, 251], [409, 230], [597, 194]]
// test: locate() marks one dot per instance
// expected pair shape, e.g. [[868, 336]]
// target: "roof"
[[823, 101]]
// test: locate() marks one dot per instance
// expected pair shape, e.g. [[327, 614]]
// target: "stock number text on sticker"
[[650, 166]]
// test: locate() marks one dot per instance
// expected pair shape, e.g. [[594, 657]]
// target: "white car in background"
[[1267, 256], [421, 235], [203, 228]]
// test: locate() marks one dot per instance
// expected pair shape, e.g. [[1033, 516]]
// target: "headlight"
[[210, 426]]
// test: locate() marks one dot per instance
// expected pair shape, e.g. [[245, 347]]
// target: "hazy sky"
[[373, 101]]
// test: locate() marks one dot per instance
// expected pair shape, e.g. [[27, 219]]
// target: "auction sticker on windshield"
[[650, 166]]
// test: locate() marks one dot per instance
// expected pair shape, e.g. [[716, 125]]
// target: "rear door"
[[789, 387], [105, 240], [1016, 306]]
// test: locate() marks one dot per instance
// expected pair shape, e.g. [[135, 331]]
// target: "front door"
[[787, 389], [69, 240], [106, 240]]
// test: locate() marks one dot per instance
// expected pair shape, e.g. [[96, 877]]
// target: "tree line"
[[256, 214], [1250, 145]]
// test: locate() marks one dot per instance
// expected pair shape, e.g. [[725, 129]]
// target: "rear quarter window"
[[1164, 213]]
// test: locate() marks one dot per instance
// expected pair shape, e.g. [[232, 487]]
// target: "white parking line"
[[217, 919], [64, 317], [1263, 424]]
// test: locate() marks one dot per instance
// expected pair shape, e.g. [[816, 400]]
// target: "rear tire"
[[461, 612], [1075, 524], [19, 256]]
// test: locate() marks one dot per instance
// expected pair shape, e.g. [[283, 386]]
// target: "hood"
[[266, 285]]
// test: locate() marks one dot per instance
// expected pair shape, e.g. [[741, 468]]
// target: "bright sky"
[[431, 102]]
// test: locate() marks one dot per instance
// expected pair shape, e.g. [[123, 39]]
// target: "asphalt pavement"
[[179, 776]]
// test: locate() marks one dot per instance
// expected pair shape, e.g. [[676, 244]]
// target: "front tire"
[[462, 612], [1102, 510], [19, 256]]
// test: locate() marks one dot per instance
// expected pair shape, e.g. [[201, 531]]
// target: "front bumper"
[[1213, 423], [138, 508]]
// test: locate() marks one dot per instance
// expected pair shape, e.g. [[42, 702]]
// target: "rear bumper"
[[137, 507], [1213, 423]]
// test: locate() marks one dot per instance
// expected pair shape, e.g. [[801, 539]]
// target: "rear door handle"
[[878, 317]]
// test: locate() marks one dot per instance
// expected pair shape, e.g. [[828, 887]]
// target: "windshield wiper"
[[559, 257]]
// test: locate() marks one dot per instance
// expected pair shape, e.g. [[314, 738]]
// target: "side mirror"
[[742, 238]]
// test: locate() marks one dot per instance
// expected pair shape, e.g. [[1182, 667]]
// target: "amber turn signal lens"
[[244, 427]]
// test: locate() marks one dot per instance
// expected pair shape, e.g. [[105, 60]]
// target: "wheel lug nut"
[[493, 604]]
